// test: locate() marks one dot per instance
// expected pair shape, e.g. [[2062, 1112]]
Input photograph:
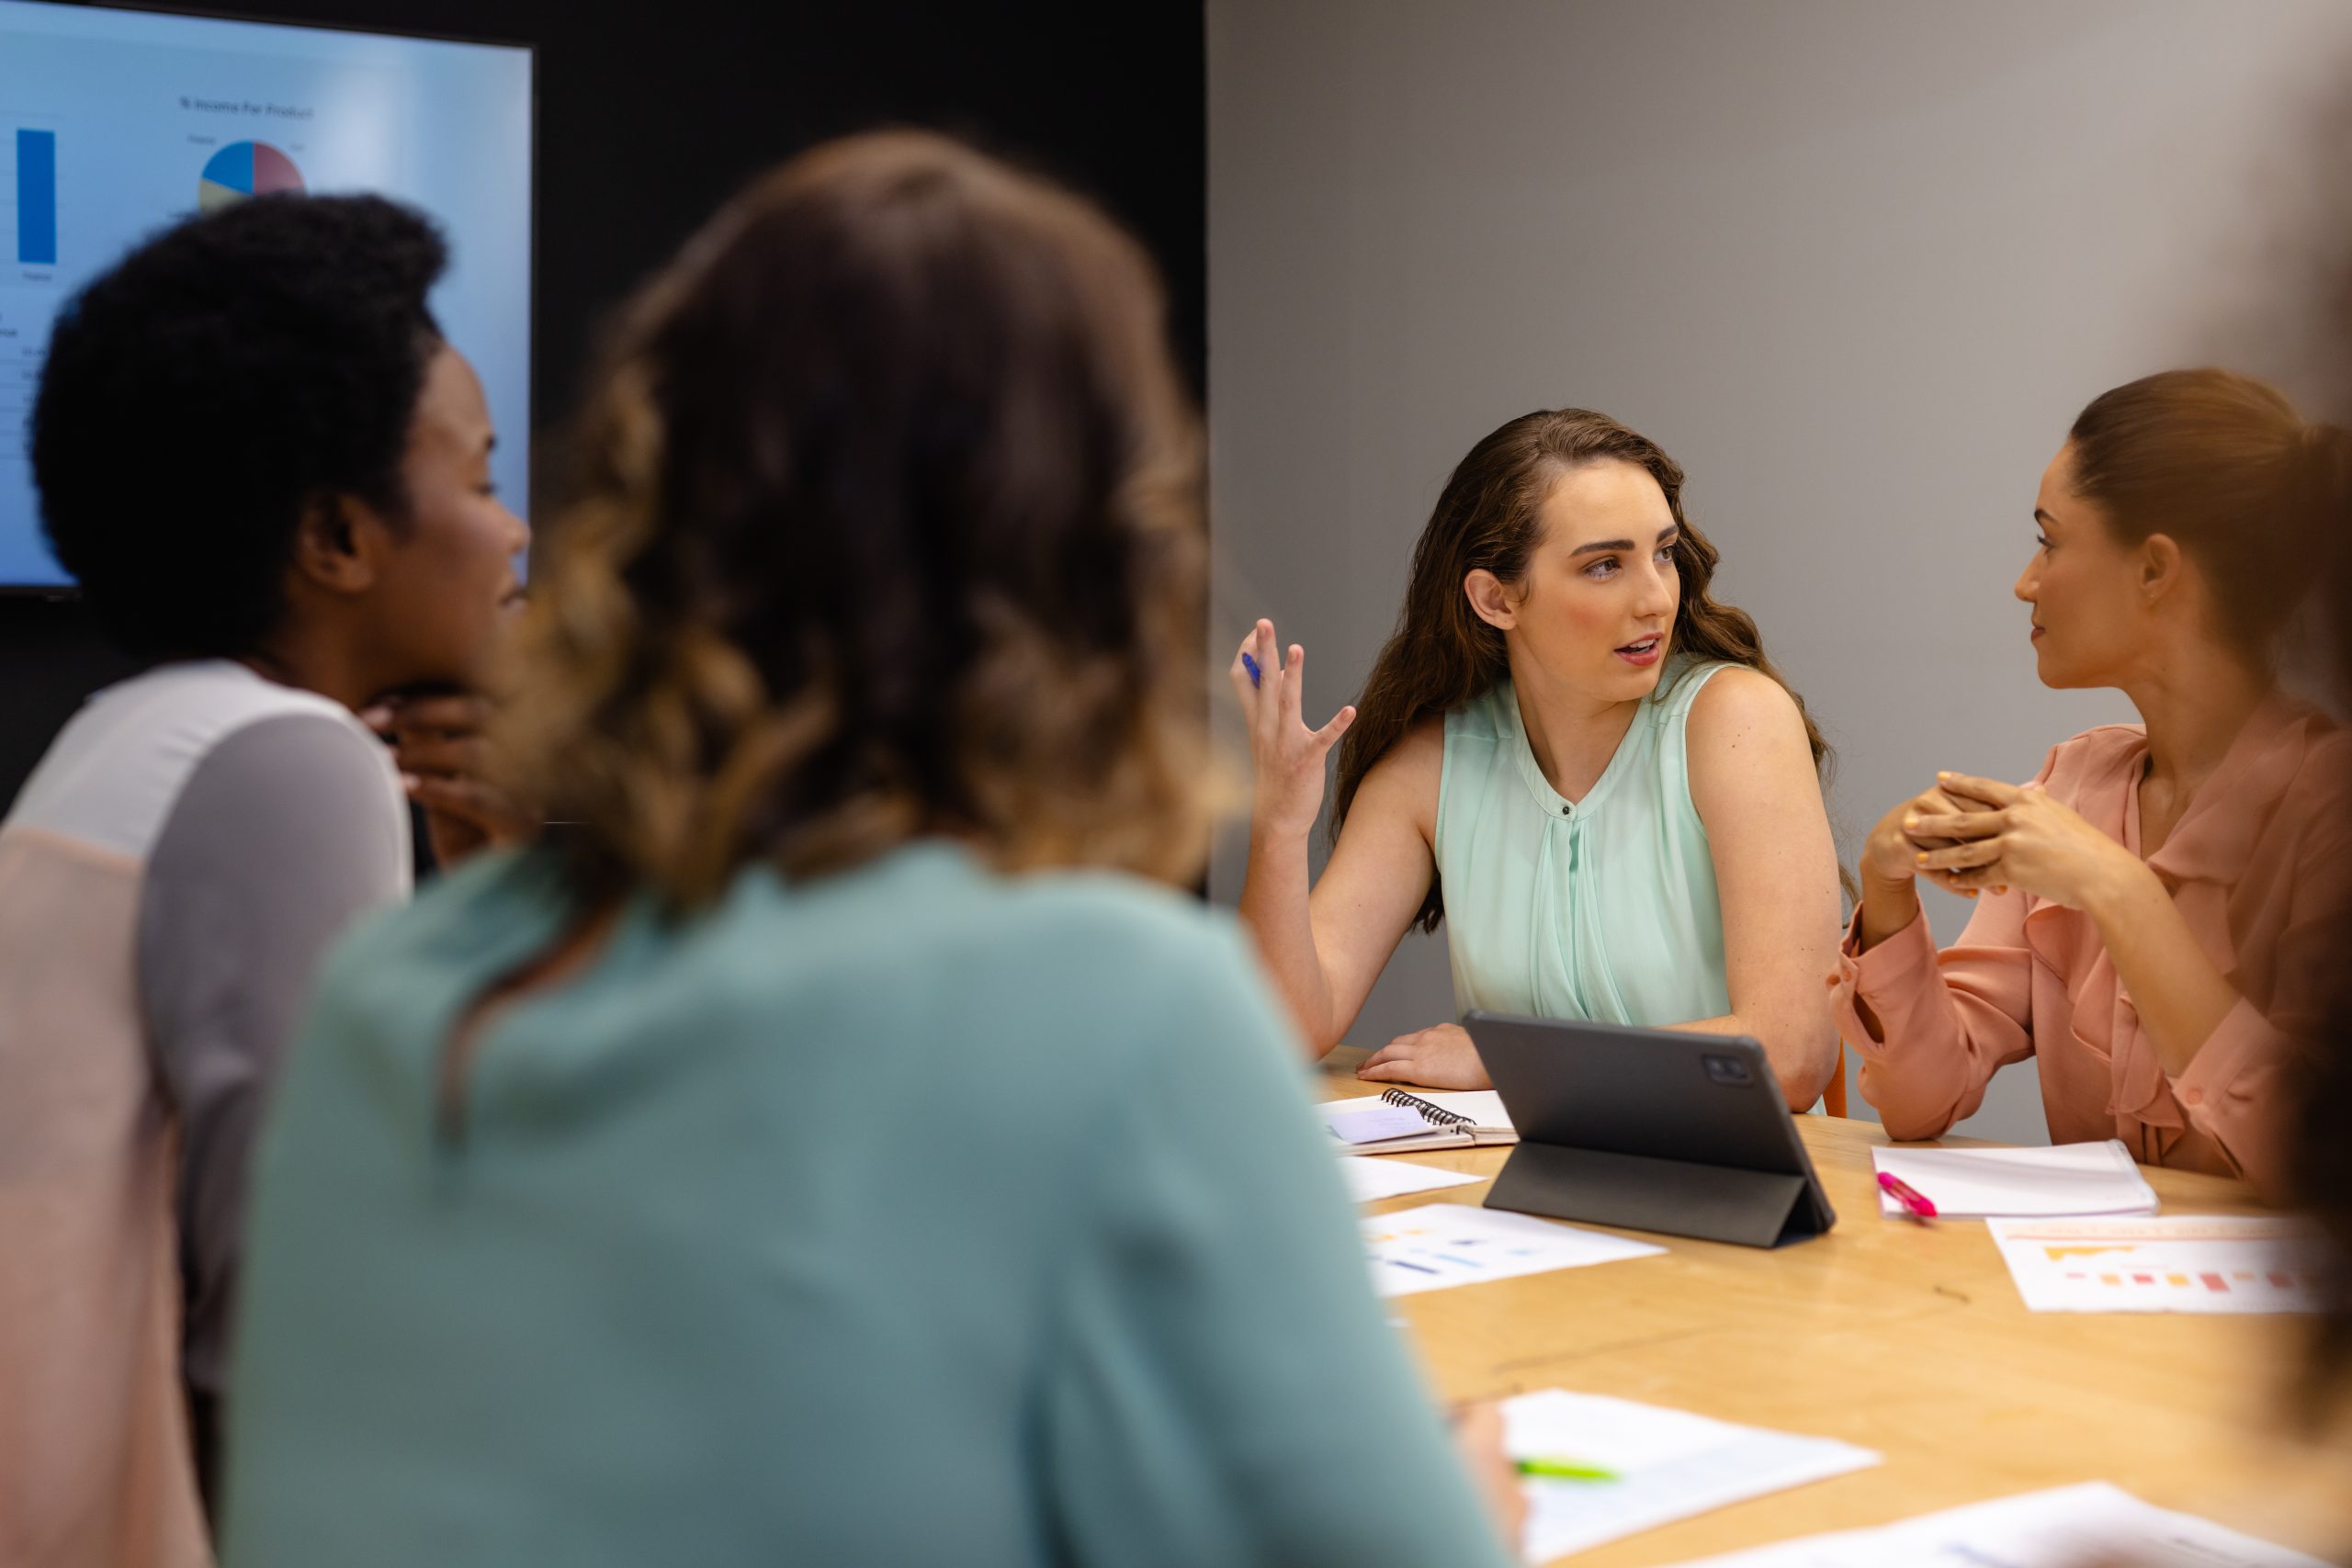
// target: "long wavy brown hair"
[[887, 524], [1491, 516]]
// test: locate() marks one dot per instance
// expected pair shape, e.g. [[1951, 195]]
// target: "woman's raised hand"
[[1286, 756], [445, 767]]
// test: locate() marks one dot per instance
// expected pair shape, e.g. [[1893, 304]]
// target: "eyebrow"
[[1663, 534]]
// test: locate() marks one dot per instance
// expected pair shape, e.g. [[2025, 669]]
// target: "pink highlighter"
[[1914, 1204]]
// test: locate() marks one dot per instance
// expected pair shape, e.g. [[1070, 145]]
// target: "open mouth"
[[2037, 633], [1642, 652]]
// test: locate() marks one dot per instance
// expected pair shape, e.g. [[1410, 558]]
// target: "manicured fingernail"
[[1920, 859], [410, 780], [376, 716], [1910, 821]]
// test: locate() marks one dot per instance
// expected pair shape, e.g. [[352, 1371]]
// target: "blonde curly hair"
[[886, 524]]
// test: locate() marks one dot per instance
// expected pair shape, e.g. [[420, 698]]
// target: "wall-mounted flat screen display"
[[114, 123]]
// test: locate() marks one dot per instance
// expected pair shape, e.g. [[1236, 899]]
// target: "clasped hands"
[[1969, 834]]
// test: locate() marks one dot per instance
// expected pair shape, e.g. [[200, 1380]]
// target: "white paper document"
[[1437, 1246], [1969, 1184], [2074, 1527], [2181, 1263], [1374, 1123], [1669, 1465], [1372, 1179]]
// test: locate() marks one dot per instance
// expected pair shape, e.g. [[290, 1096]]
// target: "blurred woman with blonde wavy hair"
[[835, 1117]]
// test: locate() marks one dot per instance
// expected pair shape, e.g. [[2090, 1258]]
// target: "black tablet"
[[1650, 1129]]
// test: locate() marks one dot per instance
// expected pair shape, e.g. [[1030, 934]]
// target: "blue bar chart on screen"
[[114, 124], [37, 197], [29, 295]]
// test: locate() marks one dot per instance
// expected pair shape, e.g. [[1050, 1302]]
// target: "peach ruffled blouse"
[[2259, 865]]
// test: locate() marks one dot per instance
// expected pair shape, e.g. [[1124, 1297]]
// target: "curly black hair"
[[218, 379]]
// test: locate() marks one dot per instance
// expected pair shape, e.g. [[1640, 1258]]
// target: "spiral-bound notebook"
[[1398, 1123]]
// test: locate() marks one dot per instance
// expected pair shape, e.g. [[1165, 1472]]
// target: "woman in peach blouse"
[[2155, 911]]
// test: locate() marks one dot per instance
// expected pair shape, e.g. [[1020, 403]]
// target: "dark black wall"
[[650, 114]]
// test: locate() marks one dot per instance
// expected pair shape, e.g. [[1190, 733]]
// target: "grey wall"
[[1857, 266]]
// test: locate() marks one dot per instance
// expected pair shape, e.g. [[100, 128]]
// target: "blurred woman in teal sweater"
[[835, 1150]]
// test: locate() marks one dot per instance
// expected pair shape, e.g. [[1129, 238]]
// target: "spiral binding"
[[1435, 1115]]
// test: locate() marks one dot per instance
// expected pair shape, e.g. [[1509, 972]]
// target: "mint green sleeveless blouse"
[[1602, 909]]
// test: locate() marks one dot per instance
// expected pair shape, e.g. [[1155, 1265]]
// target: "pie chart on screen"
[[244, 169]]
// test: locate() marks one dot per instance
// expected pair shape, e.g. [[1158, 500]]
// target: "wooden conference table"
[[1908, 1340]]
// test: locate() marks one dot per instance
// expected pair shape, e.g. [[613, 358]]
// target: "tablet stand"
[[1712, 1202]]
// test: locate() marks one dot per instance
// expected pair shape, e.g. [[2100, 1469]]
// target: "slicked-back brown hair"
[[1490, 514], [2222, 463], [887, 524]]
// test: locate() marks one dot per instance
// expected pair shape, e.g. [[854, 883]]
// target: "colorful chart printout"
[[1440, 1244], [2183, 1263]]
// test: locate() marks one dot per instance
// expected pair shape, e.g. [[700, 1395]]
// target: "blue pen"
[[1252, 665]]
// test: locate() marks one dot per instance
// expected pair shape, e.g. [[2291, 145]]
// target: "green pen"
[[1562, 1470]]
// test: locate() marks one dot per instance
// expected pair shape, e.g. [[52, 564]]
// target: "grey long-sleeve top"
[[169, 878]]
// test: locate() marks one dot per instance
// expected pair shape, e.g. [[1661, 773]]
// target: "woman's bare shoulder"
[[1405, 778], [1738, 702]]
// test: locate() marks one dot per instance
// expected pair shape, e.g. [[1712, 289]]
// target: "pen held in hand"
[[1251, 665]]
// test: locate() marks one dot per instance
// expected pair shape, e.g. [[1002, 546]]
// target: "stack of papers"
[[2066, 1528], [1664, 1465], [1440, 1244], [1971, 1184], [2185, 1263]]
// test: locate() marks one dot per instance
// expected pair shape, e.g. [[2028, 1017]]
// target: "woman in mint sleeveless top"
[[1571, 755], [1613, 916]]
